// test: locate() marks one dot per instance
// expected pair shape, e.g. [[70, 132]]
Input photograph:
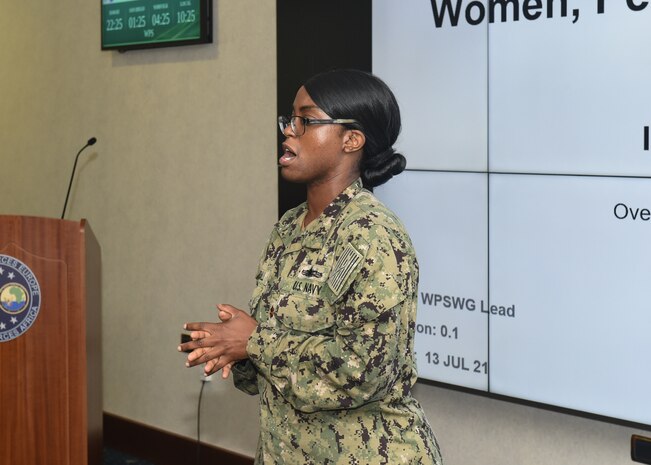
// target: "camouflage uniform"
[[332, 357]]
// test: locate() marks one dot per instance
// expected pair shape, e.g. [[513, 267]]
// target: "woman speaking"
[[328, 344]]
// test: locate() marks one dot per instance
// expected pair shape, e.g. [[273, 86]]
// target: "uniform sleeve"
[[245, 377], [245, 374], [359, 359]]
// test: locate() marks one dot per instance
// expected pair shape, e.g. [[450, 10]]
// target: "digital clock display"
[[129, 24]]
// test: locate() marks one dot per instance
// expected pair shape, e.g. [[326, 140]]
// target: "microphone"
[[90, 142]]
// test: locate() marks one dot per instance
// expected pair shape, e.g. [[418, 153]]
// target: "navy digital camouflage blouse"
[[332, 357]]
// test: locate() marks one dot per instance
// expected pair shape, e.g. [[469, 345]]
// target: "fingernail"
[[185, 326], [187, 364], [178, 348]]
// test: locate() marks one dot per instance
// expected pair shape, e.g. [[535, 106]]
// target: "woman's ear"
[[354, 141]]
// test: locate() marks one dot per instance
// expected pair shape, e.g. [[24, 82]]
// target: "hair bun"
[[378, 169], [400, 165]]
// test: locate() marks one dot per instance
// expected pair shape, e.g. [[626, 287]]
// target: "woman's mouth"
[[287, 157]]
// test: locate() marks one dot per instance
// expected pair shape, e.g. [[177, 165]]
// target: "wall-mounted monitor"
[[138, 24], [527, 195]]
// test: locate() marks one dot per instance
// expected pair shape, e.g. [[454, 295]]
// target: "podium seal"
[[20, 298]]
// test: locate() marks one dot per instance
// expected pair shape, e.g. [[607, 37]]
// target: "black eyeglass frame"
[[284, 121]]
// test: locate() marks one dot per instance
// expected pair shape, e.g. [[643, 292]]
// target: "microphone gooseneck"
[[90, 142]]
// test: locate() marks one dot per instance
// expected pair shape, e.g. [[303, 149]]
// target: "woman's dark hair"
[[366, 98]]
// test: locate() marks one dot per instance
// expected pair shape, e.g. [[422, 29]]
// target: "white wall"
[[181, 192], [180, 188], [473, 430]]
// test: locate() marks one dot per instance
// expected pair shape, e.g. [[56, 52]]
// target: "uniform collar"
[[314, 236]]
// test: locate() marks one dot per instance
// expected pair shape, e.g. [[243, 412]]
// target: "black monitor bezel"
[[205, 36]]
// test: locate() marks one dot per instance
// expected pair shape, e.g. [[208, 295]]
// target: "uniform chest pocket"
[[303, 307]]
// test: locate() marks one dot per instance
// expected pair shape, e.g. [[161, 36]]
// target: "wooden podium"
[[50, 343]]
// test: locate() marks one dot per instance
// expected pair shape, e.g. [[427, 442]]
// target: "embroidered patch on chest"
[[313, 272], [306, 287], [345, 265]]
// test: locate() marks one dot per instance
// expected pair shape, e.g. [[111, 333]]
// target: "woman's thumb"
[[226, 312]]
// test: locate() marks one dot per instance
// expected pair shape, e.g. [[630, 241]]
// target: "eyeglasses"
[[299, 123]]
